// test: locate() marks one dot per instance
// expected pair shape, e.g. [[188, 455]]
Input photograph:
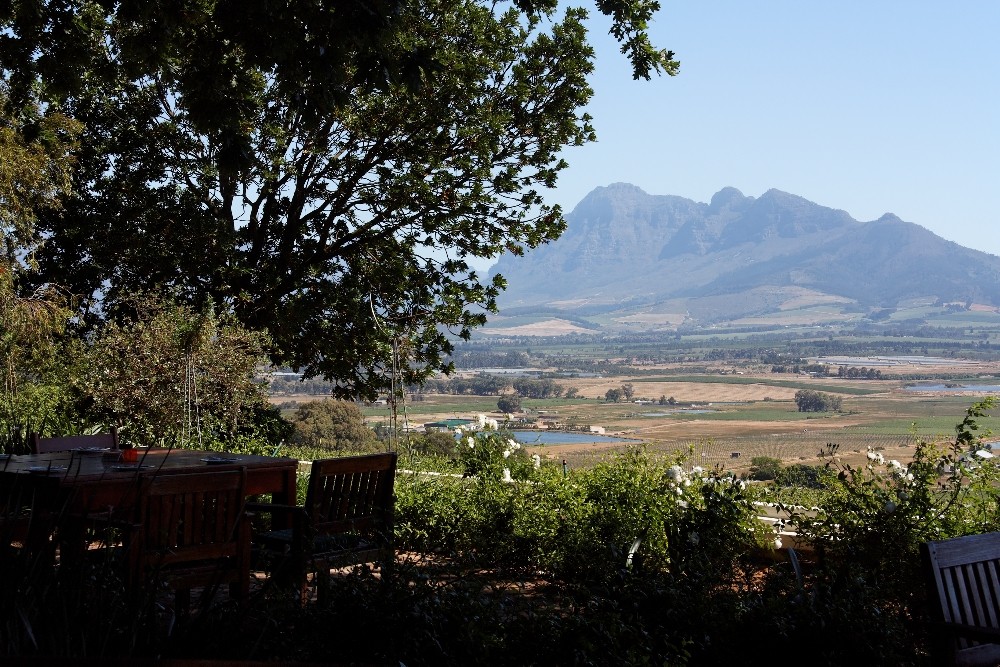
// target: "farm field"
[[722, 420]]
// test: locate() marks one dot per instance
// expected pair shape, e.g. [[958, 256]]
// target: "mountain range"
[[631, 259]]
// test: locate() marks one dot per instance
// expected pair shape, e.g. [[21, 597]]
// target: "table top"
[[85, 466]]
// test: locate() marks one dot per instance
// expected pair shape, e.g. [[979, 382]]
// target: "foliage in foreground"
[[635, 561]]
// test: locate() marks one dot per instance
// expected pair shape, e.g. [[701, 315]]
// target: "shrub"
[[168, 374], [764, 468], [868, 534], [493, 455], [805, 476]]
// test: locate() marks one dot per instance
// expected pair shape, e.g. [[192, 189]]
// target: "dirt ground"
[[694, 392]]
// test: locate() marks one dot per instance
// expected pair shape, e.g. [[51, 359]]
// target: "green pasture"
[[744, 380]]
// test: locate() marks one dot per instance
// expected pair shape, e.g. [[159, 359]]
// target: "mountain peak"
[[725, 197], [889, 217]]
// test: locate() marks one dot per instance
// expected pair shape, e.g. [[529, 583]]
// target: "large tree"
[[324, 170]]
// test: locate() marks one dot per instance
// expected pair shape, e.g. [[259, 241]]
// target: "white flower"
[[472, 443], [537, 461], [506, 453], [777, 543], [895, 465], [697, 470], [675, 472], [680, 491], [984, 454], [890, 507], [682, 504], [506, 475]]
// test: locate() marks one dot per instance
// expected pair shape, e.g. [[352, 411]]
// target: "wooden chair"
[[40, 445], [347, 520], [189, 531], [27, 522], [964, 584]]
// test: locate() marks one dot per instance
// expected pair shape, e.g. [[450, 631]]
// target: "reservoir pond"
[[563, 438]]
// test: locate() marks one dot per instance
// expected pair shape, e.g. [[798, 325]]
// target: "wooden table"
[[90, 482]]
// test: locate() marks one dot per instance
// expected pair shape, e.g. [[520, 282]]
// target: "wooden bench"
[[964, 581]]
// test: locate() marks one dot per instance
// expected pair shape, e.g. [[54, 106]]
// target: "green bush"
[[764, 468], [582, 525], [868, 535], [800, 475], [493, 455]]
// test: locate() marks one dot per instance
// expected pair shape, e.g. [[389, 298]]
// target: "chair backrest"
[[964, 577], [351, 494], [40, 445], [189, 518]]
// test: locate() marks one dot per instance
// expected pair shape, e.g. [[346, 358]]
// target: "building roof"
[[448, 423]]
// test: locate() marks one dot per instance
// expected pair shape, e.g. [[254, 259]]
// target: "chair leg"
[[182, 602], [323, 585], [302, 581], [388, 564]]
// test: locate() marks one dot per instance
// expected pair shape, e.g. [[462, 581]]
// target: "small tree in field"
[[509, 403], [808, 400]]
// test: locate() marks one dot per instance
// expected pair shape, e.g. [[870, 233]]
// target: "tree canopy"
[[324, 172], [808, 400], [331, 424]]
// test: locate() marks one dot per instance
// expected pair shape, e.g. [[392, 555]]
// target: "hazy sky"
[[870, 107]]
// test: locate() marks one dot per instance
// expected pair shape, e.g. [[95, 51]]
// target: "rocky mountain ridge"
[[626, 253]]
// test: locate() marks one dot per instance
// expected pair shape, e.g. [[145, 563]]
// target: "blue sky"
[[870, 107]]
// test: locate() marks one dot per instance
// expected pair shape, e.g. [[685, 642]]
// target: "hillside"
[[633, 259]]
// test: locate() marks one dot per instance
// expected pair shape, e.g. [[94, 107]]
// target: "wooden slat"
[[978, 575], [965, 576], [993, 595], [968, 549]]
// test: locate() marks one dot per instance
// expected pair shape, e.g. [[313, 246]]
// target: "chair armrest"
[[273, 508], [974, 632], [285, 516]]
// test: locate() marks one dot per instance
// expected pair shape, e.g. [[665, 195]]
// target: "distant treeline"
[[285, 385], [483, 384], [490, 358], [492, 385]]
